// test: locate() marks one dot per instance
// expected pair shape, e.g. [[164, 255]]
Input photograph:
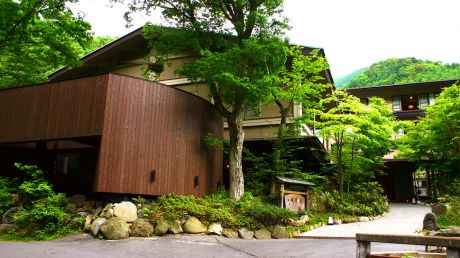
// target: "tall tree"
[[361, 135], [238, 47], [299, 82], [37, 36], [436, 137]]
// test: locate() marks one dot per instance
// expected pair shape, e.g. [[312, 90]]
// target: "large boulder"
[[126, 211], [262, 234], [88, 206], [279, 232], [7, 227], [430, 222], [439, 209], [175, 227], [230, 233], [7, 217], [161, 228], [194, 226], [245, 233], [96, 225], [141, 228], [215, 229], [115, 228]]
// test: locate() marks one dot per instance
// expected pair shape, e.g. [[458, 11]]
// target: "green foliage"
[[365, 199], [37, 36], [452, 216], [8, 186], [404, 70], [248, 212], [41, 213], [238, 46], [436, 137], [343, 81], [361, 136]]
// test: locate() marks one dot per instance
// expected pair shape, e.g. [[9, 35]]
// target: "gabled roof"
[[116, 54], [123, 52]]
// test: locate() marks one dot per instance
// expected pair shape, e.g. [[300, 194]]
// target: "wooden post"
[[363, 248], [453, 252], [282, 195]]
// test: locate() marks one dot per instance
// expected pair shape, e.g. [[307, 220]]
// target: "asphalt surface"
[[402, 219], [189, 246]]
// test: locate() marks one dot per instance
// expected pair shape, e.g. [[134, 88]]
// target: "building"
[[112, 134], [126, 56], [408, 102]]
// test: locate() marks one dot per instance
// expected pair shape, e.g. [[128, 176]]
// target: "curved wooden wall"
[[152, 127]]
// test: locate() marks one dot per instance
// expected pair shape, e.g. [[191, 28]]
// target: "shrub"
[[250, 211], [452, 216], [7, 187], [365, 199], [42, 211]]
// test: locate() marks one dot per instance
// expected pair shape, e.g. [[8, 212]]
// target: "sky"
[[353, 33]]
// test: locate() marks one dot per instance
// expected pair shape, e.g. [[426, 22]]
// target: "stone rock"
[[71, 208], [88, 206], [14, 199], [451, 231], [349, 220], [7, 217], [430, 222], [96, 225], [262, 234], [245, 233], [108, 213], [215, 229], [230, 233], [363, 219], [194, 226], [115, 228], [88, 223], [337, 221], [176, 227], [7, 227], [439, 209], [279, 232], [78, 200], [97, 212], [299, 222], [141, 228], [82, 214], [161, 228], [126, 211]]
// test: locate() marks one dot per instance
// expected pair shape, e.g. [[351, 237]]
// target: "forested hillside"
[[400, 71]]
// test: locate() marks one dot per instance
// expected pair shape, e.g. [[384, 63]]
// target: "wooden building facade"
[[112, 134]]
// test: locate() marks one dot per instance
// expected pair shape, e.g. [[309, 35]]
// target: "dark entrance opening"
[[69, 164]]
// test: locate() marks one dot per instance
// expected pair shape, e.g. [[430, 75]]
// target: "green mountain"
[[400, 71], [343, 81]]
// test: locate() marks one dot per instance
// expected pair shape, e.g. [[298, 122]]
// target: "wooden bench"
[[363, 243]]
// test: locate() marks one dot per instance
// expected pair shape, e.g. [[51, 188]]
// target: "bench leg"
[[453, 253], [363, 248]]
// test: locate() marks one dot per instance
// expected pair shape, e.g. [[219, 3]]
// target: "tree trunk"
[[277, 146], [236, 132]]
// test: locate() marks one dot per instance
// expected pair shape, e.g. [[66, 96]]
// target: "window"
[[396, 100], [249, 113]]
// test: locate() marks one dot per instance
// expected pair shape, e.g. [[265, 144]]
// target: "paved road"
[[404, 219], [188, 246]]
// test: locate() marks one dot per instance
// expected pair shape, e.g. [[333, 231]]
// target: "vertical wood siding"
[[54, 110], [149, 126]]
